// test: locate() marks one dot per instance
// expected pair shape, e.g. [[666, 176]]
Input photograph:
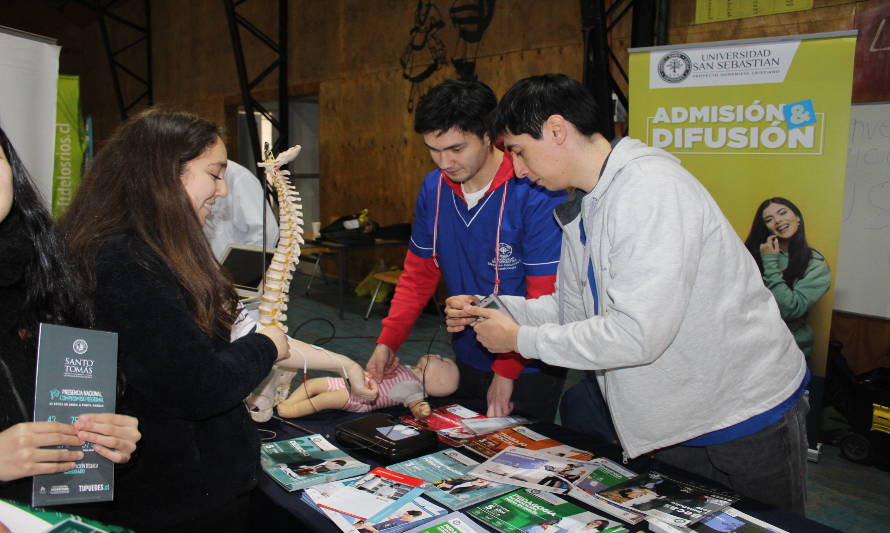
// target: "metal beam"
[[236, 21], [649, 27], [642, 31], [596, 76], [106, 16]]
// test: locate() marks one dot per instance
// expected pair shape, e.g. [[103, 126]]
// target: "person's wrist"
[[514, 337], [525, 342], [384, 351]]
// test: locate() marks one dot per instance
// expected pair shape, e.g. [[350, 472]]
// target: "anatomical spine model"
[[276, 387]]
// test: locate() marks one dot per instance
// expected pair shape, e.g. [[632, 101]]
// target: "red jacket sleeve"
[[419, 280], [510, 365]]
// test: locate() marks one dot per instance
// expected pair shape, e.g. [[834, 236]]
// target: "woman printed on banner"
[[796, 274]]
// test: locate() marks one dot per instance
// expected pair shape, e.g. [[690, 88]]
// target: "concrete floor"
[[841, 494]]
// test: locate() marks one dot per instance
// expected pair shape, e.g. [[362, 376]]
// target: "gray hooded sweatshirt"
[[687, 339]]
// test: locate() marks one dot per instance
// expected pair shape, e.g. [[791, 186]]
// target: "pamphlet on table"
[[606, 473], [729, 520], [455, 522], [372, 498], [306, 461], [528, 511], [447, 422], [410, 515], [533, 469], [523, 437], [21, 518], [448, 481], [669, 499]]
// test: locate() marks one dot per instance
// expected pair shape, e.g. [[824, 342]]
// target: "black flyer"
[[76, 374]]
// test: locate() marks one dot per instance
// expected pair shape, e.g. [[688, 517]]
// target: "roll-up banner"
[[70, 140], [29, 67], [756, 119]]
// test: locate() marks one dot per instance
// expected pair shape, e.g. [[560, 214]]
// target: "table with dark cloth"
[[274, 509]]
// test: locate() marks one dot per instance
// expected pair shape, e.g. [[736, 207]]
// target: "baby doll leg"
[[315, 387], [313, 396]]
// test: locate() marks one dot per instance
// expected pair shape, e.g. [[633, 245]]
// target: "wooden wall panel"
[[826, 15], [350, 51], [866, 340], [371, 157]]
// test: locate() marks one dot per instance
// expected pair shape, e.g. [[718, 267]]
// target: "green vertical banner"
[[70, 136], [756, 119]]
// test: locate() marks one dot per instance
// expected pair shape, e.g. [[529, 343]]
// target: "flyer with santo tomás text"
[[76, 374]]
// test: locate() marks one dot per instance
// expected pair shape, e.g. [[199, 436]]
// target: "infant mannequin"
[[433, 375]]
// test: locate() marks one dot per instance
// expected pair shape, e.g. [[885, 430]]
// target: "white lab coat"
[[238, 217]]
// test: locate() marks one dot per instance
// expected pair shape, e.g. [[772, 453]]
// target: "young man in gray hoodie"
[[658, 295]]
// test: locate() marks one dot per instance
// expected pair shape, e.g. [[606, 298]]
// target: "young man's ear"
[[556, 128]]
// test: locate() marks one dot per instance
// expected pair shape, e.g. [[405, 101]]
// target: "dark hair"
[[134, 188], [464, 105], [626, 492], [531, 101], [53, 291], [414, 512], [799, 252]]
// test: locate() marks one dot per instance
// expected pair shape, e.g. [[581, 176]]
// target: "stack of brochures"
[[729, 519], [606, 474], [455, 522], [534, 469], [530, 511], [523, 437], [306, 461], [668, 499], [447, 422], [456, 425], [598, 482], [18, 518], [382, 501], [448, 481]]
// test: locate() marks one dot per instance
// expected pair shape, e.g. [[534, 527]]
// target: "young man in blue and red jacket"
[[484, 230]]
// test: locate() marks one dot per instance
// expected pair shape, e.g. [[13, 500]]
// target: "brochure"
[[451, 523], [669, 499], [76, 374], [16, 517], [522, 437], [484, 426], [412, 514], [606, 474], [306, 461], [448, 480], [525, 511], [373, 498], [732, 520], [533, 469], [447, 422], [727, 521]]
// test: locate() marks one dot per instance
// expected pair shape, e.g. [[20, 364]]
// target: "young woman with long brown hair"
[[134, 229]]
